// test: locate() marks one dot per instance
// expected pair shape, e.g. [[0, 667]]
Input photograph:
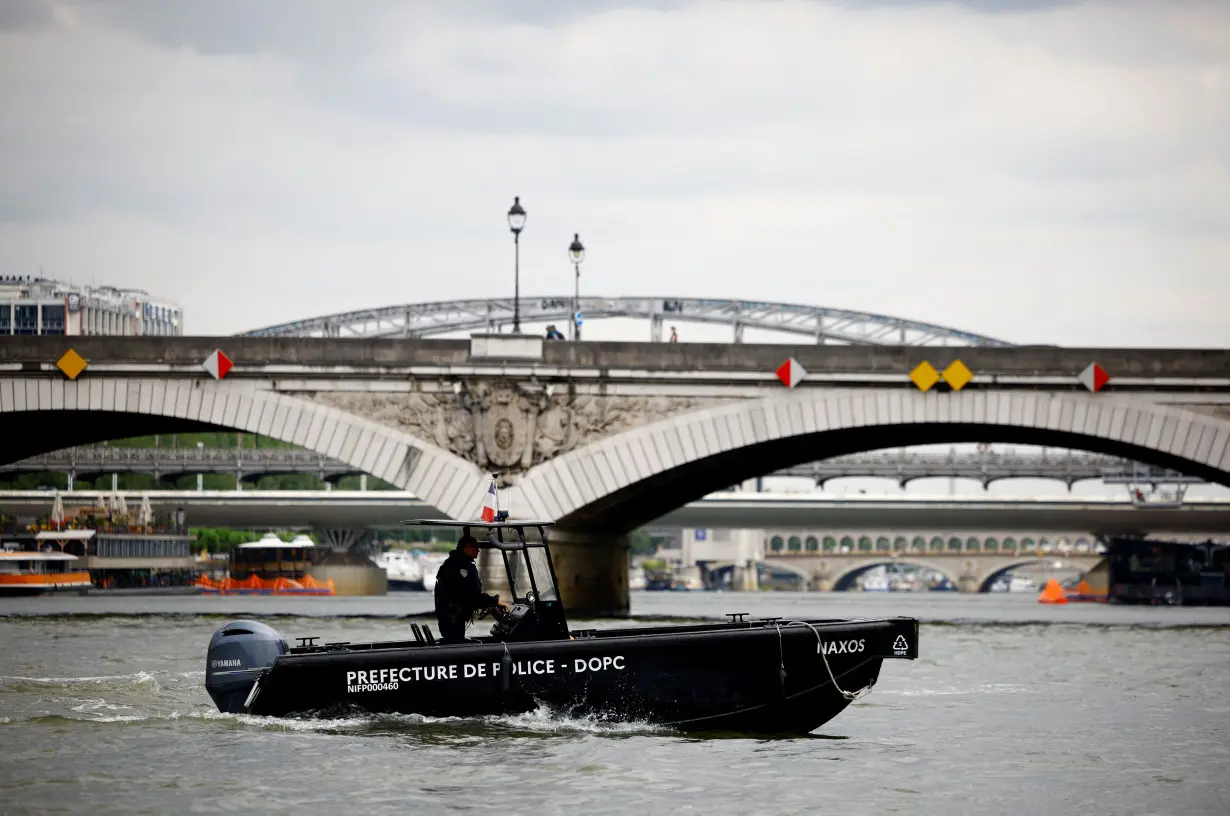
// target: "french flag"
[[489, 502]]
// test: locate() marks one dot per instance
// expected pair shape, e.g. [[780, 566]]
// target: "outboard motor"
[[238, 653]]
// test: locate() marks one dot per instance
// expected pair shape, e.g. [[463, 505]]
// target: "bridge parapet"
[[262, 357]]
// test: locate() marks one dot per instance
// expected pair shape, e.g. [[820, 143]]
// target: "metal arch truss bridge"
[[824, 325]]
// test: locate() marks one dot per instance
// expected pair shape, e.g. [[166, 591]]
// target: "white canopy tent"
[[271, 540], [57, 510], [145, 513]]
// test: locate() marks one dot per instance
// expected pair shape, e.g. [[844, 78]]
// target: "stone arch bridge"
[[968, 572], [605, 437]]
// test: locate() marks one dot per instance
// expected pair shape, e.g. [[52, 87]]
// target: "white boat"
[[1021, 584], [430, 563], [1014, 583], [33, 573], [876, 581], [403, 569], [901, 583]]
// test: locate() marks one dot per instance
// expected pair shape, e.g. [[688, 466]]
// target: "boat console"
[[531, 619], [536, 612]]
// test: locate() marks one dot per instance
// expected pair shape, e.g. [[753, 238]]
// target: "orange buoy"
[[1053, 593]]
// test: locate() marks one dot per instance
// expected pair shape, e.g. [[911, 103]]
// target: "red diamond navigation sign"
[[791, 373], [1094, 377], [218, 364]]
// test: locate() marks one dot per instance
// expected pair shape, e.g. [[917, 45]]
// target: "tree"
[[641, 543]]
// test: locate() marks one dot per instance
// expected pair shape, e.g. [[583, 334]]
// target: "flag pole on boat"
[[500, 515], [491, 502]]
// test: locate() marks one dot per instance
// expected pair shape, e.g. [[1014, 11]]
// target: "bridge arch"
[[44, 414], [786, 565], [843, 573], [634, 477], [991, 577]]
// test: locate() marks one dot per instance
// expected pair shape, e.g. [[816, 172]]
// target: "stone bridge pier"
[[591, 568], [349, 565]]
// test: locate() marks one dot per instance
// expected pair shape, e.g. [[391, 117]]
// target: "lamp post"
[[577, 253], [516, 223]]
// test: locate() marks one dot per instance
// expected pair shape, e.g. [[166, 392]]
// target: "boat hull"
[[38, 584], [752, 677]]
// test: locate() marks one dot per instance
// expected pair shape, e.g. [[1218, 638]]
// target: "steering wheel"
[[482, 613]]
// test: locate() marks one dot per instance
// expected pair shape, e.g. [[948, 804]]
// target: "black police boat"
[[769, 676]]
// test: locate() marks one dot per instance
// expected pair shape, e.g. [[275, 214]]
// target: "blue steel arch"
[[843, 326]]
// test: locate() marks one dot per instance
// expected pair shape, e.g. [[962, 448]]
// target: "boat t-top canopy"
[[497, 541]]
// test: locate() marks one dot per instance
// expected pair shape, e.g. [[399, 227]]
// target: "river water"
[[1013, 707]]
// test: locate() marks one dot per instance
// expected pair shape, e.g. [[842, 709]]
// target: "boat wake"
[[542, 722], [128, 699], [986, 688], [18, 683], [523, 725]]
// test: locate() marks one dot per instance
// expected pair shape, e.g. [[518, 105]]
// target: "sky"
[[1041, 172]]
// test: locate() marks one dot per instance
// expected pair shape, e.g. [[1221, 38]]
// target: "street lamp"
[[576, 251], [516, 223]]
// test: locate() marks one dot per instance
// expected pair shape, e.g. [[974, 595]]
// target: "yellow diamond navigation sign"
[[958, 375], [72, 364], [925, 376]]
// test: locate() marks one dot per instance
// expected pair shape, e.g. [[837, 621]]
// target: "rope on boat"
[[849, 695]]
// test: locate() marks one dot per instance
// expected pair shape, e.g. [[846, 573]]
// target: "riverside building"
[[30, 305]]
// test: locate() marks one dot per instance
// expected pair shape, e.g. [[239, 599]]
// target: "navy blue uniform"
[[459, 594]]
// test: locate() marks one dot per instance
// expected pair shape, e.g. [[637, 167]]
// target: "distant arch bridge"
[[90, 462], [968, 573], [438, 318]]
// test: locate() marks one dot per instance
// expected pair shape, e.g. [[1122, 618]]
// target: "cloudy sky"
[[1052, 172]]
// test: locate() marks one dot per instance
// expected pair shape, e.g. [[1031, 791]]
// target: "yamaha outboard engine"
[[238, 653]]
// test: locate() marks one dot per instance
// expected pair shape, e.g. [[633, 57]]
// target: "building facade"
[[31, 305]]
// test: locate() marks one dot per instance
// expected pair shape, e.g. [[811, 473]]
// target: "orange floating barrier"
[[1086, 594], [253, 585], [1053, 593]]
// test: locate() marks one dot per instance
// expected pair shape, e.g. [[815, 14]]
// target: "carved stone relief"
[[507, 426]]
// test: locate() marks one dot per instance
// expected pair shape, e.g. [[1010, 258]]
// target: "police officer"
[[459, 591]]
